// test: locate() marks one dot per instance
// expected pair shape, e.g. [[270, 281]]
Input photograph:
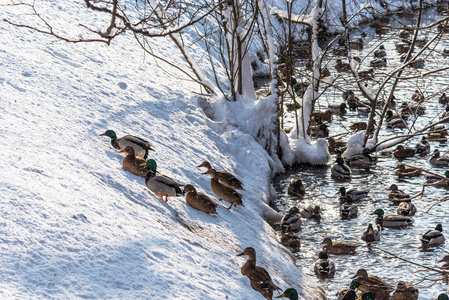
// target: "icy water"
[[321, 187]]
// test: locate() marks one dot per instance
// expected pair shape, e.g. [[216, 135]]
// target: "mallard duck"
[[141, 146], [363, 110], [199, 201], [443, 99], [324, 266], [291, 221], [359, 125], [418, 96], [226, 178], [259, 278], [347, 94], [421, 41], [222, 191], [292, 241], [356, 45], [336, 145], [133, 164], [396, 123], [355, 194], [379, 63], [296, 187], [445, 52], [342, 67], [371, 234], [348, 210], [439, 161], [366, 74], [322, 116], [340, 169], [338, 109], [289, 293], [363, 159], [160, 184], [338, 247], [433, 237], [324, 73], [340, 51], [379, 288], [443, 296], [405, 292], [391, 221], [379, 53], [422, 147], [397, 195], [391, 116], [349, 293], [403, 152], [406, 209], [403, 47], [311, 212], [407, 110], [404, 34], [319, 131], [436, 137], [445, 114], [445, 260], [438, 180], [405, 171]]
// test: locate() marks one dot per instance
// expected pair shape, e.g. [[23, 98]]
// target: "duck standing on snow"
[[199, 201], [405, 292], [406, 209], [141, 146], [439, 161], [222, 191], [291, 221], [159, 184], [340, 169], [133, 164], [296, 187], [338, 247], [259, 278], [371, 234], [433, 237], [391, 221], [289, 293], [225, 177], [324, 266], [379, 288]]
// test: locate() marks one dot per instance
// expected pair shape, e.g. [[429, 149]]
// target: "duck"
[[324, 266], [418, 96], [289, 293], [371, 234], [379, 63], [349, 293], [366, 74], [397, 195], [403, 47], [324, 73], [340, 169], [421, 41], [319, 131], [291, 221], [404, 34], [422, 147], [259, 278], [405, 292], [356, 45], [159, 184], [391, 221], [133, 164], [433, 237], [379, 288], [363, 110], [402, 152], [340, 51], [338, 247], [292, 241], [438, 180], [379, 53], [444, 115], [406, 209], [445, 260], [199, 201], [436, 136], [348, 210], [141, 146], [359, 125], [445, 52], [311, 212], [439, 161], [342, 67], [296, 188], [391, 116], [397, 123], [336, 145], [222, 191], [322, 116], [363, 159], [407, 110], [405, 171], [339, 109], [226, 178], [443, 296], [443, 99], [355, 194]]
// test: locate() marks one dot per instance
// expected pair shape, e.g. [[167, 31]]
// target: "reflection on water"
[[321, 188]]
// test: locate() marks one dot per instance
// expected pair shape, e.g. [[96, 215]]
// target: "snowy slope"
[[73, 224]]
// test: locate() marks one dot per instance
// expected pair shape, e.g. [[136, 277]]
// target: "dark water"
[[321, 187]]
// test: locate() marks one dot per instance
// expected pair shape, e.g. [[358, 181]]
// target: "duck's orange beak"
[[280, 296]]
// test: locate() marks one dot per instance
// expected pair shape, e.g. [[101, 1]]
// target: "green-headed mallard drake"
[[405, 292], [443, 99], [291, 221], [348, 210], [296, 187], [405, 171], [324, 266], [340, 169], [402, 152], [319, 131], [349, 293], [379, 53], [433, 237], [289, 293], [336, 145], [391, 221], [396, 195], [406, 209], [292, 241], [422, 147], [199, 201], [133, 164], [342, 67], [443, 296], [438, 181], [379, 288], [159, 184], [363, 159], [445, 260], [439, 161], [311, 212], [378, 63], [222, 191], [225, 177], [338, 247], [371, 234], [141, 146], [355, 194], [338, 109], [259, 278]]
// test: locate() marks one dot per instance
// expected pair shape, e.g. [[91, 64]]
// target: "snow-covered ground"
[[73, 224]]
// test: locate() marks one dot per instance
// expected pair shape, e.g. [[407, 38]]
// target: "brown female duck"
[[379, 288], [133, 164], [405, 171], [338, 247], [225, 177], [199, 201], [222, 191], [405, 292], [402, 152]]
